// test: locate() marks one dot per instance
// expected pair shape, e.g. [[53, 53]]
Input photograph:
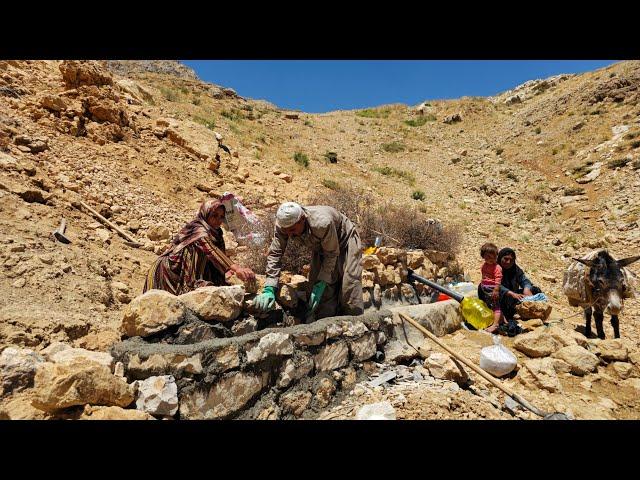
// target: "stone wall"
[[280, 372]]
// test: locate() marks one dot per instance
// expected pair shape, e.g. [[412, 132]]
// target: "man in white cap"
[[335, 266]]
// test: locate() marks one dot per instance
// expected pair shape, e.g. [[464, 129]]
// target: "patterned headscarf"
[[198, 227]]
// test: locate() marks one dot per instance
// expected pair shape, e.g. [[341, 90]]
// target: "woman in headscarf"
[[196, 257], [515, 284]]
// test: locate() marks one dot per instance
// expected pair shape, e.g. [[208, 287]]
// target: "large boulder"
[[294, 369], [179, 364], [159, 233], [612, 350], [567, 336], [370, 262], [540, 373], [443, 367], [59, 352], [158, 395], [271, 345], [58, 386], [77, 73], [581, 360], [363, 348], [295, 402], [390, 256], [100, 341], [225, 398], [529, 310], [54, 103], [536, 344], [287, 296], [220, 304], [18, 368], [625, 370], [324, 389], [92, 412], [17, 406], [152, 312], [415, 259], [396, 352], [330, 357]]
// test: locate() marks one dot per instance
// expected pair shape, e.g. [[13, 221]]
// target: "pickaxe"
[[59, 233]]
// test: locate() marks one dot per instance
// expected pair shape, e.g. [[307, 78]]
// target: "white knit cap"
[[288, 214]]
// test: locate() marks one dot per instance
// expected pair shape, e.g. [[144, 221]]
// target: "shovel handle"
[[110, 224], [472, 366]]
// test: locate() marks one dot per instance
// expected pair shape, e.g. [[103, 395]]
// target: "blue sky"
[[317, 86]]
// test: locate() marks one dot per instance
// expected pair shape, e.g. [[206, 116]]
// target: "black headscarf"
[[510, 276]]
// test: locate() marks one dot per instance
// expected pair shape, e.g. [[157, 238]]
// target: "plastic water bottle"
[[476, 313]]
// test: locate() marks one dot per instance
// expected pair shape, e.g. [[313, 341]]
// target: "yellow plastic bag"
[[370, 250]]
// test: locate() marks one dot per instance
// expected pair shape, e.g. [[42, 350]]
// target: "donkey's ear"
[[628, 261], [588, 263]]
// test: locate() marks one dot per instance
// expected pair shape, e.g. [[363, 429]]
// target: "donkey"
[[608, 288]]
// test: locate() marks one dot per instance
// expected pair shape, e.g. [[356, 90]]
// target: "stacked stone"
[[384, 275], [219, 378]]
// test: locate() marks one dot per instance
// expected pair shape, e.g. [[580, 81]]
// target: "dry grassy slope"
[[150, 181]]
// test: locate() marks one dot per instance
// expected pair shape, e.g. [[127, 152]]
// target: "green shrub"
[[618, 162], [418, 122], [301, 159], [418, 195], [374, 113], [393, 147], [169, 94], [538, 130], [210, 123], [234, 114], [331, 184], [331, 156], [392, 172]]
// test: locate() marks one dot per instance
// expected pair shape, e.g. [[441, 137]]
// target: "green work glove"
[[264, 302], [316, 295]]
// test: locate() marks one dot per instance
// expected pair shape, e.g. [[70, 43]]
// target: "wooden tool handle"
[[110, 224], [472, 366]]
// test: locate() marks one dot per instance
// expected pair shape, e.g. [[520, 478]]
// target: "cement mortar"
[[219, 359]]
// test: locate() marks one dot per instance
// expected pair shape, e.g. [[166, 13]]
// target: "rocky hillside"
[[550, 168]]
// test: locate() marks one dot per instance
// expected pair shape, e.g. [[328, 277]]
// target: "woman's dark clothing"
[[514, 280]]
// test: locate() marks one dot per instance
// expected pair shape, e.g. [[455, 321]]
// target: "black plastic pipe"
[[413, 276]]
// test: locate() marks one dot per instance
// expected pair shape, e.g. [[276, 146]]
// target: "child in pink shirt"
[[490, 284]]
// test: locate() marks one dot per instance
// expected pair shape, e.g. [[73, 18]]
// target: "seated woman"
[[197, 256], [515, 284]]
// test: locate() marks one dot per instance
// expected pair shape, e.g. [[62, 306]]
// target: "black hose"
[[413, 276]]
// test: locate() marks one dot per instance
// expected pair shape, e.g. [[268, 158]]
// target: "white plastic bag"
[[465, 288], [377, 411], [241, 221], [498, 360]]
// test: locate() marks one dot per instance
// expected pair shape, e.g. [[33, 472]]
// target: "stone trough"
[[285, 372]]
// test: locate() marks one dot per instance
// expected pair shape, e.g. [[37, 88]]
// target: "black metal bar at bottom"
[[413, 276]]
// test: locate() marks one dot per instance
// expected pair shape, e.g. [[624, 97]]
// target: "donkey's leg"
[[599, 317], [587, 317], [615, 325]]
